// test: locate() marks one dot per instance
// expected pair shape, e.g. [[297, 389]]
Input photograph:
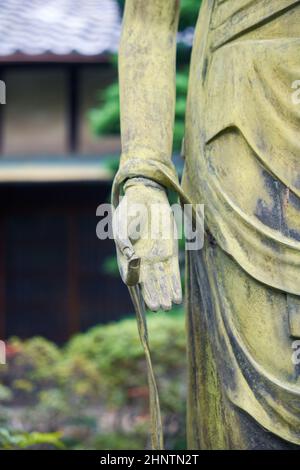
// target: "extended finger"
[[165, 293], [149, 288], [176, 283]]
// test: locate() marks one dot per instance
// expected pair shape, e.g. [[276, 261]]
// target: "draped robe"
[[242, 160]]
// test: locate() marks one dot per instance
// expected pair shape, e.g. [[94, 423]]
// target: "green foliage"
[[189, 10], [5, 393], [116, 352], [96, 374], [105, 119], [181, 91], [31, 366], [112, 163], [24, 440]]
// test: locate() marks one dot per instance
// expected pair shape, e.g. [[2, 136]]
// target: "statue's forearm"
[[147, 62]]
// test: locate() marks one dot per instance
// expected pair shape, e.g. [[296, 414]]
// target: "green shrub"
[[17, 440], [98, 376]]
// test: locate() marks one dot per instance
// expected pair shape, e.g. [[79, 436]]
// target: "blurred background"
[[75, 373]]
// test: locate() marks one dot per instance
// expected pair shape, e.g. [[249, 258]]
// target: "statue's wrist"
[[141, 180]]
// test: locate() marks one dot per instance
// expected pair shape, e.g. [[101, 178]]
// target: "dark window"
[[46, 111], [52, 274], [34, 117]]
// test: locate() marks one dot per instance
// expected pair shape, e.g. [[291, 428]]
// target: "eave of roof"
[[58, 171], [73, 58]]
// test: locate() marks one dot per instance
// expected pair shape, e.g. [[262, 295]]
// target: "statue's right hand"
[[144, 228]]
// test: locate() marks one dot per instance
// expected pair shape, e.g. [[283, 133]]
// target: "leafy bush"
[[17, 440], [94, 388]]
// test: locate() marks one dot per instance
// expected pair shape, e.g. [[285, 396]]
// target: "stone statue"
[[242, 160]]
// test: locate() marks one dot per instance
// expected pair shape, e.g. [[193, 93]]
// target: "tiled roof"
[[61, 27]]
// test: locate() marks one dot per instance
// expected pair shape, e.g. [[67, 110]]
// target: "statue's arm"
[[147, 70], [147, 62]]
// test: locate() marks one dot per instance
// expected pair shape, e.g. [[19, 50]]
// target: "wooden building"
[[53, 171]]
